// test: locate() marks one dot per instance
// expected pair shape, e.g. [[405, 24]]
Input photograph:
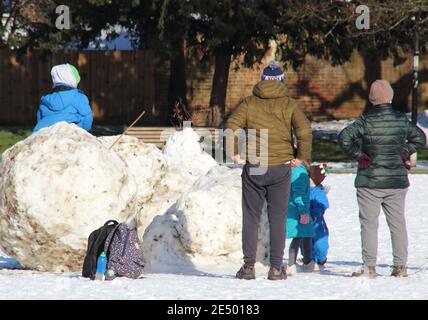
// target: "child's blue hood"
[[60, 100]]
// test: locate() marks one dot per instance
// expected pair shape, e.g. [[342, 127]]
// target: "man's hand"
[[237, 159], [304, 218], [296, 163]]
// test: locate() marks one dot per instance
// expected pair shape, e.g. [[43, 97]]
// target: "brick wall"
[[325, 91]]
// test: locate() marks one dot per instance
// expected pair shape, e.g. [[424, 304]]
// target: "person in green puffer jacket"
[[382, 140]]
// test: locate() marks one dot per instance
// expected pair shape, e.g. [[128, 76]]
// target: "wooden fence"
[[119, 84]]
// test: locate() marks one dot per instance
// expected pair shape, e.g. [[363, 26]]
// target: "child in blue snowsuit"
[[318, 205], [65, 102]]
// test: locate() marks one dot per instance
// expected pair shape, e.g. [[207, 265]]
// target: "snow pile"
[[203, 229], [186, 162], [329, 130], [56, 187], [145, 162], [184, 152], [61, 184], [209, 216], [334, 282]]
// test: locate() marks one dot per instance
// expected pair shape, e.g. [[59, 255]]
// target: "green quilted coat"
[[385, 135]]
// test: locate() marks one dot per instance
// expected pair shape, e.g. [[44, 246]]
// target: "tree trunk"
[[177, 78], [372, 72], [223, 57]]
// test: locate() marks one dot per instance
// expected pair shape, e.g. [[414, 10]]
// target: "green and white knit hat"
[[65, 74]]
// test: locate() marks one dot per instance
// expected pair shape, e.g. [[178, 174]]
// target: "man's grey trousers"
[[274, 187], [392, 202]]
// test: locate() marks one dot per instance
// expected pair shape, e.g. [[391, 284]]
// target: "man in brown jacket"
[[272, 116]]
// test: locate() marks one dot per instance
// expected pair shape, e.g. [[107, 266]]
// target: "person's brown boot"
[[399, 272], [246, 272], [277, 274], [366, 271]]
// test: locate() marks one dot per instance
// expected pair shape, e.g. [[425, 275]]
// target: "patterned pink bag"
[[124, 254]]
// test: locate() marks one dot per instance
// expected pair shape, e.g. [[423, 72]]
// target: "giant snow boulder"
[[186, 162], [56, 187], [209, 215], [145, 162], [203, 230]]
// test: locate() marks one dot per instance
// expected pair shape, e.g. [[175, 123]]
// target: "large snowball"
[[186, 163], [210, 213], [203, 230], [145, 162], [56, 187]]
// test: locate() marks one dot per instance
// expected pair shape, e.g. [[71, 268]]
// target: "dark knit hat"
[[380, 92], [273, 72], [318, 173]]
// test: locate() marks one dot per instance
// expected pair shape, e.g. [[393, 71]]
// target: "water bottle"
[[101, 267]]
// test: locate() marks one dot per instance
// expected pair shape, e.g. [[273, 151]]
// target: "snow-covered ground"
[[332, 283], [329, 130]]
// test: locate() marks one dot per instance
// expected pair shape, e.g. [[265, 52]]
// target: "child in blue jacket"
[[318, 205], [65, 102]]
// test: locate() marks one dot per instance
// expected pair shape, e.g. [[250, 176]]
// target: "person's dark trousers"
[[274, 187], [305, 244]]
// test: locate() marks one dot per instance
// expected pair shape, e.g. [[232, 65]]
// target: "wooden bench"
[[159, 135]]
